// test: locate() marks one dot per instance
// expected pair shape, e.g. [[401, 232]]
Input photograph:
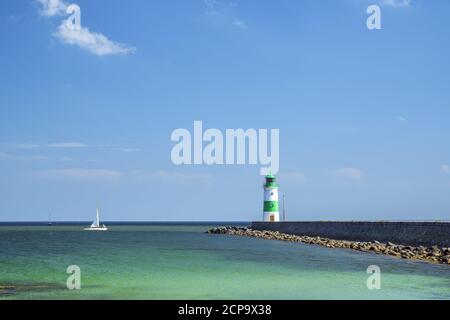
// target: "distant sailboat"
[[95, 226], [50, 219]]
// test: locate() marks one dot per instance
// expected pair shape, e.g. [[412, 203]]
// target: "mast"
[[98, 219]]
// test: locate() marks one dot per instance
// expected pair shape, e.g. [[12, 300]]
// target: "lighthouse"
[[271, 213]]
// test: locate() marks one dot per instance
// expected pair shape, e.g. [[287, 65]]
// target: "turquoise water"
[[182, 262]]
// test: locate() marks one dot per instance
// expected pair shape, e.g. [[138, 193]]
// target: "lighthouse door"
[[272, 218]]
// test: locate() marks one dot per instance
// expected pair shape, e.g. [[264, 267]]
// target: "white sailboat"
[[95, 226]]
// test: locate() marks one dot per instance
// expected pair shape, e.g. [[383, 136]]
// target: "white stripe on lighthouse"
[[270, 195], [267, 215]]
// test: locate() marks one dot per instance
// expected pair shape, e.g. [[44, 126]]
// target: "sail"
[[97, 222]]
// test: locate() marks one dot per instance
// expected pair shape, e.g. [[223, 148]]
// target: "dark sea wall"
[[406, 233]]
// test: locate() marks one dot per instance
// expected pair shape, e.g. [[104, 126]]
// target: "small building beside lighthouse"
[[271, 211]]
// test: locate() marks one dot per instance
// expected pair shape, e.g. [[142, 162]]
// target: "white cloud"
[[67, 145], [223, 13], [183, 178], [52, 8], [401, 118], [105, 175], [65, 159], [82, 37], [445, 168], [7, 156], [129, 149], [397, 3], [4, 156], [239, 24], [211, 3], [78, 174], [172, 178], [93, 42], [353, 174], [26, 146], [292, 177]]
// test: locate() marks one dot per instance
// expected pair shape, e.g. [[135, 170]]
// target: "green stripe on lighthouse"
[[270, 182], [270, 206]]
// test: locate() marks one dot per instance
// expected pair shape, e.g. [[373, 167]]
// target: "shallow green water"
[[182, 262]]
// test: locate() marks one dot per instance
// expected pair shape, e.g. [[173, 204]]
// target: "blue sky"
[[363, 114]]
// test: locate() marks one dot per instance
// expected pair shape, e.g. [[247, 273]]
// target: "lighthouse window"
[[270, 179], [271, 193]]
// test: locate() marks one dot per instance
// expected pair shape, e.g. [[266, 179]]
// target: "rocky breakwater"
[[430, 254]]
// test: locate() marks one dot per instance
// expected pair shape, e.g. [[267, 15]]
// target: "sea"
[[181, 261]]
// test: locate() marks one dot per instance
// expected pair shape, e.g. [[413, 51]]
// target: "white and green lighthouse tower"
[[271, 212]]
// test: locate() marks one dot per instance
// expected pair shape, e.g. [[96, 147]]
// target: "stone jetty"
[[432, 254]]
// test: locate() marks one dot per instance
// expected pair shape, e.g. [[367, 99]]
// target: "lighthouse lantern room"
[[271, 212]]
